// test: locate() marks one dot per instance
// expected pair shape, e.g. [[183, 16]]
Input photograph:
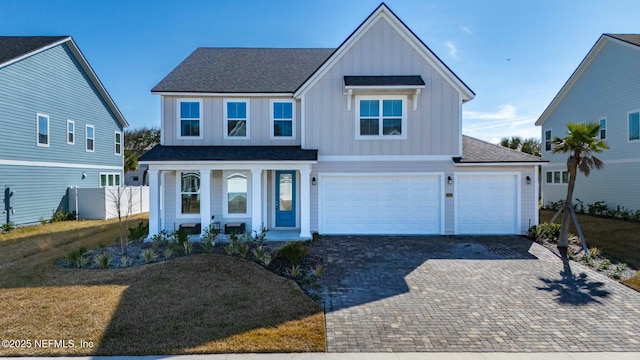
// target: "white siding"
[[433, 129]]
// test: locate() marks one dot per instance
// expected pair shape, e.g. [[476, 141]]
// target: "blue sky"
[[515, 55]]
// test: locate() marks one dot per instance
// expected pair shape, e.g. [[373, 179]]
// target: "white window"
[[381, 117], [189, 119], [189, 183], [603, 129], [547, 140], [71, 132], [557, 177], [236, 190], [42, 130], [118, 142], [634, 126], [236, 118], [109, 179], [91, 138], [283, 119]]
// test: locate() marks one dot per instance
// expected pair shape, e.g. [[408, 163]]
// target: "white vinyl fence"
[[102, 203]]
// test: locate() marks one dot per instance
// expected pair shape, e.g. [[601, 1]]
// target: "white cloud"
[[504, 122], [466, 29], [452, 49]]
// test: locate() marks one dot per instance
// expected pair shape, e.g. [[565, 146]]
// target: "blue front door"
[[285, 198]]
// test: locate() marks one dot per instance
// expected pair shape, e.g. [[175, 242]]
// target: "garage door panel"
[[487, 204], [381, 204]]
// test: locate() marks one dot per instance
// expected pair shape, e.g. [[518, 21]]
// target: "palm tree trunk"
[[563, 240]]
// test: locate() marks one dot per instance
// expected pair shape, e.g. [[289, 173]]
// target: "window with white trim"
[[282, 119], [557, 177], [90, 138], [634, 126], [42, 130], [236, 190], [547, 140], [381, 117], [189, 192], [236, 118], [109, 179], [117, 138], [71, 132], [189, 119], [603, 128]]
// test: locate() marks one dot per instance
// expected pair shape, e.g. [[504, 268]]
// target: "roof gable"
[[16, 48], [631, 40], [243, 70], [383, 12]]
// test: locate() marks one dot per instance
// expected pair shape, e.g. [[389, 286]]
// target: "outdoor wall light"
[[528, 180], [313, 181], [449, 180], [84, 175]]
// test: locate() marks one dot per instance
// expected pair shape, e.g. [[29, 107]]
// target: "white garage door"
[[487, 204], [380, 204]]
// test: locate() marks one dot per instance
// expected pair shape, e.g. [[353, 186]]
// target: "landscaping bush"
[[139, 232], [61, 215], [77, 257], [552, 231], [8, 226], [597, 208], [103, 260], [295, 252]]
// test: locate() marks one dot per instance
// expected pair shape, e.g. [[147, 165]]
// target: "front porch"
[[275, 195]]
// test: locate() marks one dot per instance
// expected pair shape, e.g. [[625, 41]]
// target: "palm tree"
[[515, 142], [581, 144]]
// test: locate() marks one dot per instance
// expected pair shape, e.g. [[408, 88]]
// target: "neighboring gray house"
[[137, 177], [605, 88], [362, 139], [60, 127]]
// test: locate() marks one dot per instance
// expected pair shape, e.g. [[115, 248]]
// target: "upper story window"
[[189, 119], [189, 193], [381, 117], [547, 140], [71, 132], [42, 130], [236, 118], [282, 119], [236, 189], [118, 142], [90, 137], [634, 126], [603, 129]]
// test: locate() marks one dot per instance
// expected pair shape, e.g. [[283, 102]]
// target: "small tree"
[[581, 144], [121, 198]]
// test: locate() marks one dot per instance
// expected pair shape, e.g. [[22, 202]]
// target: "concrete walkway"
[[470, 294]]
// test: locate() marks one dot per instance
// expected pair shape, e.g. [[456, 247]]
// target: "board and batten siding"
[[213, 122], [528, 207], [433, 129], [608, 88], [53, 83]]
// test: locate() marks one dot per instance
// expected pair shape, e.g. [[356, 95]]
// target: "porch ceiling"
[[161, 153]]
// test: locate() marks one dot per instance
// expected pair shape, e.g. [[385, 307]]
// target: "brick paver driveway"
[[469, 294]]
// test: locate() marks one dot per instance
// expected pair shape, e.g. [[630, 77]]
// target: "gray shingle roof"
[[243, 70], [383, 80], [12, 47], [630, 38], [229, 153], [478, 151]]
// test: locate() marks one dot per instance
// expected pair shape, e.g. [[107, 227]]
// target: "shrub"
[[167, 253], [139, 232], [208, 238], [294, 251], [551, 230], [6, 227], [259, 252], [317, 270], [597, 208], [555, 205], [61, 215], [243, 249], [125, 261], [77, 257], [148, 255], [617, 273], [230, 248], [181, 241], [579, 207], [187, 248], [103, 260], [604, 265], [207, 245], [259, 238], [161, 238], [265, 260], [294, 271]]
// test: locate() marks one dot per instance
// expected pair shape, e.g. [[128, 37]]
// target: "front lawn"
[[617, 239], [196, 304]]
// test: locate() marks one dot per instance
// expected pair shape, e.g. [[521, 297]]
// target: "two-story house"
[[605, 88], [361, 139], [60, 127]]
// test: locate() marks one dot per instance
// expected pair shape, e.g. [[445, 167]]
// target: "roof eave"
[[36, 51]]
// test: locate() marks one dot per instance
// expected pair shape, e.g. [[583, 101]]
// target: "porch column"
[[154, 203], [305, 203], [205, 199], [256, 200]]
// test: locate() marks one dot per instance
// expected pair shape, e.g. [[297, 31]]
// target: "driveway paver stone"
[[445, 294]]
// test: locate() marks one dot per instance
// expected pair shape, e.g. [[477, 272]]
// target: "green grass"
[[195, 304], [617, 239]]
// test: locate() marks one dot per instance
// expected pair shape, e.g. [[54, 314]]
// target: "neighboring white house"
[[605, 88], [362, 139]]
